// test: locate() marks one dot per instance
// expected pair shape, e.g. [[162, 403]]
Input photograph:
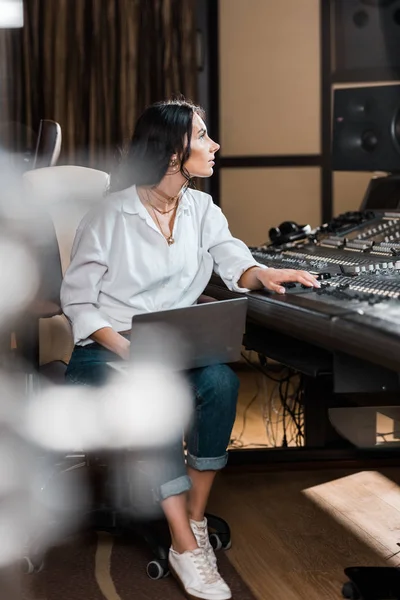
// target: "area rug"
[[101, 567]]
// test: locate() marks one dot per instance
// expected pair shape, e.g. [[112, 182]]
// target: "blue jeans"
[[215, 392]]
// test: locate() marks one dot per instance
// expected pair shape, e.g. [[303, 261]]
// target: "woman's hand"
[[272, 279]]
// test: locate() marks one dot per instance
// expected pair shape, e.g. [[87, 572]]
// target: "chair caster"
[[157, 569], [220, 540], [31, 565], [350, 591]]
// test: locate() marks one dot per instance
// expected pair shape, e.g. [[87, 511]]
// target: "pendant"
[[170, 240]]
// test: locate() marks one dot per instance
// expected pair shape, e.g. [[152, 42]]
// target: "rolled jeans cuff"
[[207, 464], [174, 488]]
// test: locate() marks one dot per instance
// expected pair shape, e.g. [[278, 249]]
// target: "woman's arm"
[[82, 283], [110, 339], [235, 263]]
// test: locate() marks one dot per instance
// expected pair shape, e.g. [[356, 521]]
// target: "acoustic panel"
[[269, 77]]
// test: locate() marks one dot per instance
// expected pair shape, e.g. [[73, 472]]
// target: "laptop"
[[187, 338]]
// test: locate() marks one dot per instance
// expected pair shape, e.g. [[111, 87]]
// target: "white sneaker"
[[198, 578], [200, 532]]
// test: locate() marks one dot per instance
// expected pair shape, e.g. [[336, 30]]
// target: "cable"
[[392, 433], [288, 414], [284, 395], [259, 368]]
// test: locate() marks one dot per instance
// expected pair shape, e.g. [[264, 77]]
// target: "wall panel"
[[256, 199], [348, 190], [269, 77]]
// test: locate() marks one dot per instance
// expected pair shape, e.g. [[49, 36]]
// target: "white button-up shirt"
[[122, 265]]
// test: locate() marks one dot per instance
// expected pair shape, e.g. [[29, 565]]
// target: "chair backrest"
[[66, 193], [48, 146]]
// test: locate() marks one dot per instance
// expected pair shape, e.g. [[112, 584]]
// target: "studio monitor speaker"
[[367, 39], [366, 129]]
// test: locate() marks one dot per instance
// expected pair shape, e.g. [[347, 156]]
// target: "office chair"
[[65, 194], [48, 145]]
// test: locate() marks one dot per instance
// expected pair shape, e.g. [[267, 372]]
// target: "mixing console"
[[356, 257], [353, 292], [352, 243]]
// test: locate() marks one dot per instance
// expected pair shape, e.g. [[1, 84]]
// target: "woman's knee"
[[219, 384], [224, 379]]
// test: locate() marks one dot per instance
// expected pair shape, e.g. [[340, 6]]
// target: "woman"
[[153, 245]]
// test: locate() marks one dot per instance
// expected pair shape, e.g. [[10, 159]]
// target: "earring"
[[173, 163]]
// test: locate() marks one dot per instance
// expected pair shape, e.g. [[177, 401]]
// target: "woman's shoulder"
[[200, 201], [106, 210]]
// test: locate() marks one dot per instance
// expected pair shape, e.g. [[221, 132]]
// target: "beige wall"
[[257, 199], [348, 190], [270, 105], [269, 77]]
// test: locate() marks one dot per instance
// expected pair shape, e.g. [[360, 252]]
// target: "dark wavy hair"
[[164, 129]]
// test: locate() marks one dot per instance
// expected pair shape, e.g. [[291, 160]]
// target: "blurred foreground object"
[[11, 14]]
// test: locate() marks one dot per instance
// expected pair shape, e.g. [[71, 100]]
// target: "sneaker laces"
[[207, 571], [200, 531], [202, 537]]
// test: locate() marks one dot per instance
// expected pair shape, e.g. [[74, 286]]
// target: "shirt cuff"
[[86, 323], [234, 285]]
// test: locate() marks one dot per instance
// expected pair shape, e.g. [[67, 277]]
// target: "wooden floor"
[[293, 533]]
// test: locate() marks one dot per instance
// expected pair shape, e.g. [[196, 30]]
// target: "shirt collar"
[[133, 206], [131, 201]]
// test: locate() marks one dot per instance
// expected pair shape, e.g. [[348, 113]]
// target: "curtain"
[[93, 65], [167, 51]]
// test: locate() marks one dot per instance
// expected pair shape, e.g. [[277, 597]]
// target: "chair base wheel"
[[30, 565], [350, 591], [220, 541], [157, 569]]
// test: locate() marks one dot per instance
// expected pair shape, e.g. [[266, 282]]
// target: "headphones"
[[288, 231]]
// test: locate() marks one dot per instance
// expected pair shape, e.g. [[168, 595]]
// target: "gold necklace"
[[169, 199], [170, 239], [162, 212]]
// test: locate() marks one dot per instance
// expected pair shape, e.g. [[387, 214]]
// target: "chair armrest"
[[42, 309]]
